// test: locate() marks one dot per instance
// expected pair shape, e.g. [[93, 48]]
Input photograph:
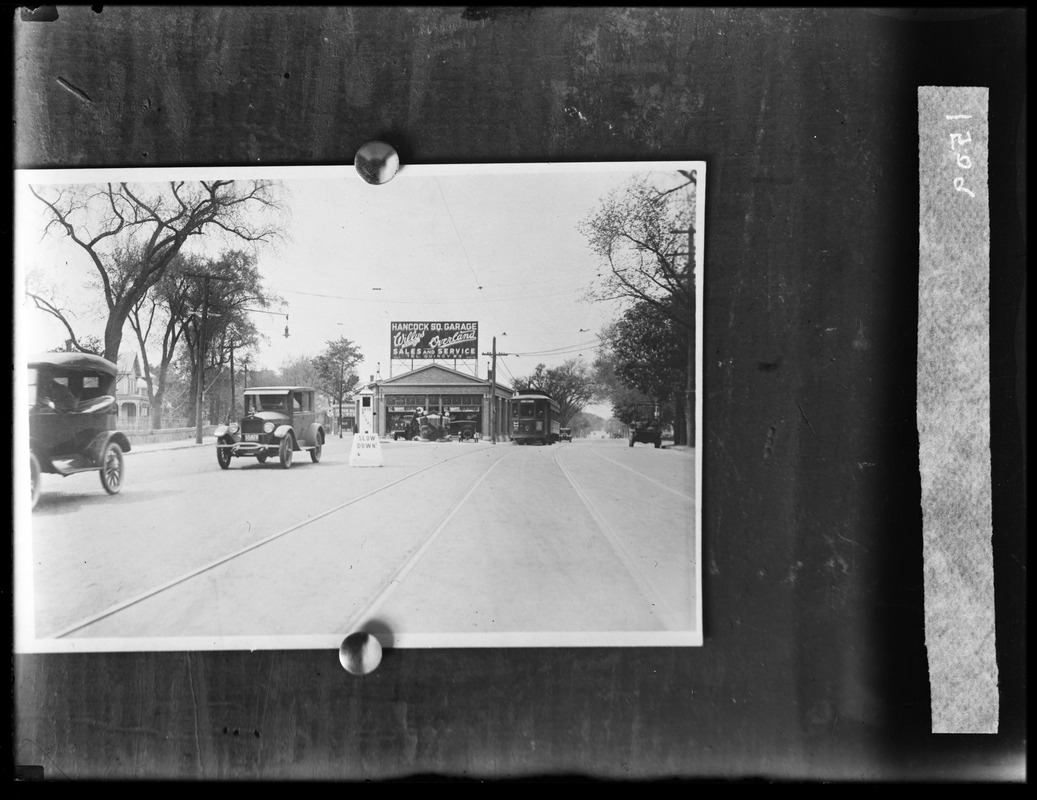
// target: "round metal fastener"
[[360, 653], [377, 162]]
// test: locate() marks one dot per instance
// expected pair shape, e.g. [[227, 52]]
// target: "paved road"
[[442, 539]]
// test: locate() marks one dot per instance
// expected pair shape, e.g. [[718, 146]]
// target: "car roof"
[[73, 361], [278, 389]]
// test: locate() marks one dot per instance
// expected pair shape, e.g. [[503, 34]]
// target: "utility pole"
[[201, 350], [233, 410], [493, 390], [341, 381]]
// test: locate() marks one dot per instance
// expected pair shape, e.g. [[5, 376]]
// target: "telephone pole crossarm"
[[493, 389]]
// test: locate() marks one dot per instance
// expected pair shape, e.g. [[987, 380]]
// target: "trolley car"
[[534, 417]]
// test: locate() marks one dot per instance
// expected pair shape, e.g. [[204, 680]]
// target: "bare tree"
[[132, 232], [644, 234], [572, 385]]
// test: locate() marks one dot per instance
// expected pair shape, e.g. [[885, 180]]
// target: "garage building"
[[436, 389]]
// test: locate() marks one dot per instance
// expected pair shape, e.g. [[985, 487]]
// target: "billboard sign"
[[434, 340]]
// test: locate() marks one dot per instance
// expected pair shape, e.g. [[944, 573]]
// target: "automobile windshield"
[[265, 402]]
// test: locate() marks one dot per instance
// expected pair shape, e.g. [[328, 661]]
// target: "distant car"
[[405, 428], [72, 416], [279, 421], [430, 428], [464, 430], [646, 426], [565, 434]]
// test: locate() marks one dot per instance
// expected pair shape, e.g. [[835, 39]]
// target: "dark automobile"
[[647, 426], [565, 434], [279, 421], [428, 427], [464, 430], [404, 427], [72, 416]]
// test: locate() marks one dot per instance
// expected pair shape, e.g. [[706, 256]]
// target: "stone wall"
[[167, 435]]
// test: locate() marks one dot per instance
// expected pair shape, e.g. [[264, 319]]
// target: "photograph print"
[[268, 408]]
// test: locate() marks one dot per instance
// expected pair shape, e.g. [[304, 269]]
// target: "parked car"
[[72, 417], [404, 428], [279, 421], [464, 430], [565, 434], [423, 427]]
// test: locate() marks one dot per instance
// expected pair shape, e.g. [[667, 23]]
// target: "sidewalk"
[[179, 444]]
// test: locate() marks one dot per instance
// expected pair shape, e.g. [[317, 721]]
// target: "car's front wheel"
[[284, 453], [112, 468], [34, 476], [316, 451], [223, 456]]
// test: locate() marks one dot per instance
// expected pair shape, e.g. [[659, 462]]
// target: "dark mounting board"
[[814, 663]]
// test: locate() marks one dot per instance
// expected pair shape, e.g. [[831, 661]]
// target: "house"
[[131, 389]]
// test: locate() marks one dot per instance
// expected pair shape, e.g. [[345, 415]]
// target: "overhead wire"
[[464, 250]]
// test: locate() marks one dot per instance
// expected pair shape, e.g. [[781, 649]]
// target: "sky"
[[494, 244]]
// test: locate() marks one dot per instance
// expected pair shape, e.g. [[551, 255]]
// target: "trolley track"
[[239, 553], [640, 474], [393, 579], [325, 581], [669, 616]]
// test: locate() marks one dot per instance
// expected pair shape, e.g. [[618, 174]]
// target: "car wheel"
[[261, 458], [631, 441], [285, 452], [466, 435], [223, 456], [658, 444], [315, 452], [34, 477], [112, 468]]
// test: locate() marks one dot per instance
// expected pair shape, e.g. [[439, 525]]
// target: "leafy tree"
[[173, 305], [131, 233], [584, 422], [335, 370], [644, 236], [88, 344], [235, 289], [644, 351], [572, 385], [612, 388], [298, 371]]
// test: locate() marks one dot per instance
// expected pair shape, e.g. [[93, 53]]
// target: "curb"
[[161, 446]]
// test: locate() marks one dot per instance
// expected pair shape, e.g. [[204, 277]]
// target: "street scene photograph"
[[449, 406]]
